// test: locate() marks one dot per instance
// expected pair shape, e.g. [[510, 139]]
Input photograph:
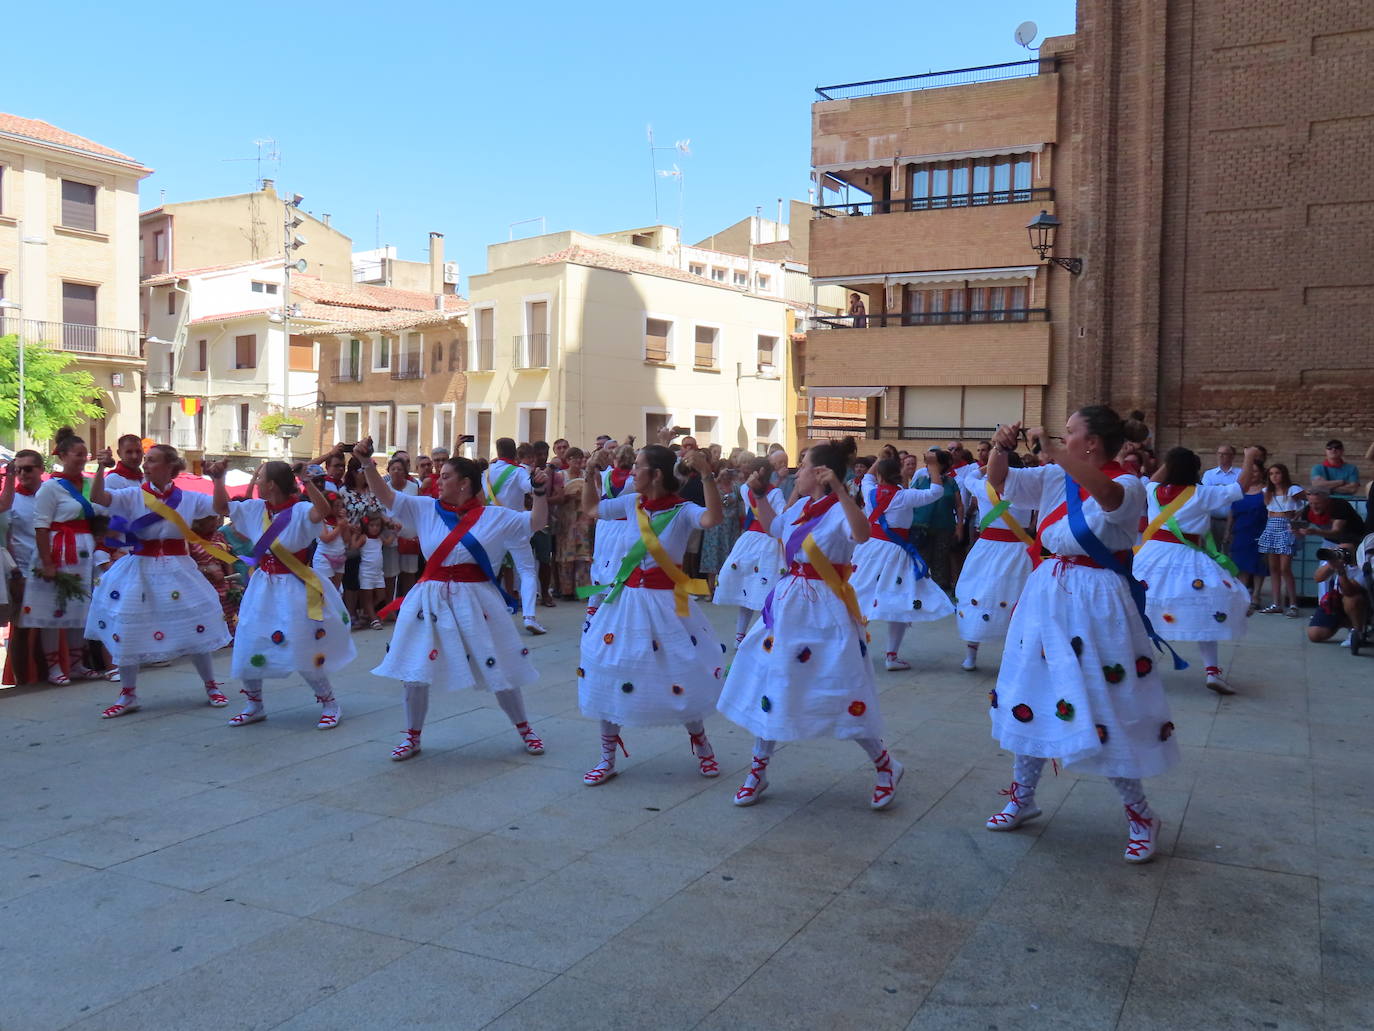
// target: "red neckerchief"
[[1112, 469], [1333, 465], [1317, 519], [882, 498], [432, 487], [619, 477], [1166, 492], [76, 480], [28, 492], [817, 507], [463, 509], [660, 504], [274, 509], [161, 495], [129, 474]]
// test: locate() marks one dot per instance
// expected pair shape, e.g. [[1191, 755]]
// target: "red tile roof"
[[308, 313], [163, 278], [43, 132], [577, 255]]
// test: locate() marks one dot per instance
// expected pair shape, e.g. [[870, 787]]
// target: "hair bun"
[[1135, 430], [849, 447]]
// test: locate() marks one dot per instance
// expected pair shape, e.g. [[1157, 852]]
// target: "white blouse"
[[674, 536], [1042, 488]]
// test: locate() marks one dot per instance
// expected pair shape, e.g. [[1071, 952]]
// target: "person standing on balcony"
[[858, 314], [890, 578], [1078, 678], [755, 563], [1193, 590], [290, 621], [154, 605], [803, 671], [128, 472], [454, 627], [506, 484], [649, 655]]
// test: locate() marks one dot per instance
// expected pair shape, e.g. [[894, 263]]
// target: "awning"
[[845, 391], [874, 163], [962, 275]]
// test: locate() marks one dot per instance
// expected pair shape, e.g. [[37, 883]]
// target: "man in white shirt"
[[1226, 472], [507, 483]]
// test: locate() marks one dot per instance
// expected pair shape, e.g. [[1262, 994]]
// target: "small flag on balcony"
[[190, 405]]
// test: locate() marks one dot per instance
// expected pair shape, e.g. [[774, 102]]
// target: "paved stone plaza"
[[166, 871]]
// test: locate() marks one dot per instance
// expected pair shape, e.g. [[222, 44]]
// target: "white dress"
[[459, 634], [641, 663], [73, 551], [1188, 595], [1078, 679], [884, 575], [994, 572], [150, 608], [754, 565], [613, 538], [329, 558], [276, 636], [809, 674]]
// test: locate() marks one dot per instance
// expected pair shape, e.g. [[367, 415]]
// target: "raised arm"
[[321, 510], [858, 522], [376, 482], [103, 460], [758, 483], [591, 496], [1104, 490], [1003, 444], [715, 511], [11, 481], [219, 496]]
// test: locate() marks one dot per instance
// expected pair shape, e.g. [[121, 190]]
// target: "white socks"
[[324, 693], [1026, 772], [1211, 655], [895, 633], [416, 705], [971, 652], [871, 746], [742, 620], [512, 703]]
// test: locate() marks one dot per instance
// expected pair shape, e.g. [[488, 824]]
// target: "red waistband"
[[272, 564], [1169, 538], [999, 533], [876, 530], [809, 572], [462, 573], [159, 548], [407, 545], [1124, 557], [655, 579], [74, 525]]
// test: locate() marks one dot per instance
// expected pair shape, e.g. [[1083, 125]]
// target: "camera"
[[1336, 555], [467, 438]]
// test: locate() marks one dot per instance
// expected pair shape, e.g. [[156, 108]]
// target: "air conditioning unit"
[[451, 271]]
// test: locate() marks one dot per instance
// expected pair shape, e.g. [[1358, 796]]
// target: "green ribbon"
[[635, 556], [1209, 546]]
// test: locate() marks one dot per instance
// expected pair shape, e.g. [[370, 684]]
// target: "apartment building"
[[572, 335], [69, 260], [382, 267], [926, 185]]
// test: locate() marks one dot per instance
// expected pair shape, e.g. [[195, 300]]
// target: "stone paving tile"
[[156, 860]]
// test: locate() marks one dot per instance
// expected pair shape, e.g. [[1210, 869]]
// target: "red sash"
[[436, 561], [654, 579], [160, 548], [999, 533], [63, 540], [882, 498], [807, 571], [461, 573], [1112, 469], [272, 564]]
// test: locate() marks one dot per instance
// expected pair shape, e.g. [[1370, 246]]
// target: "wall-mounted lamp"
[[1041, 230]]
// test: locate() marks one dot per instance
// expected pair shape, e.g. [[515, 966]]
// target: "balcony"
[[950, 354], [834, 429], [68, 336], [484, 356], [186, 440], [960, 200], [532, 351], [408, 366], [935, 80], [347, 376], [929, 318], [161, 383]]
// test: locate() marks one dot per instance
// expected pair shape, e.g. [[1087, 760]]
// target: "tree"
[[55, 394]]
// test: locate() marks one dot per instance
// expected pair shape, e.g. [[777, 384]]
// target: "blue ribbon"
[[918, 564], [1097, 551], [478, 553], [75, 491]]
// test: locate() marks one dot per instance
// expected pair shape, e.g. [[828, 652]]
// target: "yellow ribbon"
[[1165, 514], [174, 517], [314, 589], [1007, 518], [830, 576], [683, 585]]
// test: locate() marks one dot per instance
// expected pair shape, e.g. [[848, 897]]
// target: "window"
[[436, 360], [704, 429], [657, 334], [78, 205], [718, 274], [409, 429], [351, 362], [350, 423], [78, 304], [302, 355], [381, 429], [171, 300], [443, 428], [535, 424], [457, 350], [246, 351], [741, 278], [697, 270], [765, 433], [2, 190], [706, 339], [159, 246], [483, 434], [484, 342], [762, 281], [264, 288], [536, 347], [653, 422], [767, 349], [1003, 179], [381, 354], [944, 305], [202, 355], [240, 435]]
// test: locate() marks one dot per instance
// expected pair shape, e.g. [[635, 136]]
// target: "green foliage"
[[55, 394], [270, 422]]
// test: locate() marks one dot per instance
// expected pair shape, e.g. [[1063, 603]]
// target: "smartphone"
[[467, 438]]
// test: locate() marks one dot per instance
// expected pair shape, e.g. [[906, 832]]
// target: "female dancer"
[[754, 565], [649, 655], [613, 537], [803, 671], [454, 625], [289, 621], [996, 568], [62, 543], [1192, 591], [1278, 542], [891, 580], [154, 604], [1078, 678]]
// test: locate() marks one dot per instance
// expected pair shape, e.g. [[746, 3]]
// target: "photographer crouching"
[[1344, 600]]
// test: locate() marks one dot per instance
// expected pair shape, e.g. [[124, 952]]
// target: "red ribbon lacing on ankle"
[[608, 745]]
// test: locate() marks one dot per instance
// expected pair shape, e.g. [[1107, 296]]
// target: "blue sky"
[[464, 118]]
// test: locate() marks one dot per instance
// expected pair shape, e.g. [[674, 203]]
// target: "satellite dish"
[[1025, 33]]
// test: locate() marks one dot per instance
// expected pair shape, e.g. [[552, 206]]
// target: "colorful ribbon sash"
[[159, 510], [1168, 518], [918, 564], [494, 486], [801, 540], [314, 587], [1001, 509], [649, 544]]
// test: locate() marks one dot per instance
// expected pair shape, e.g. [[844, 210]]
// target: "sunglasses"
[[28, 468]]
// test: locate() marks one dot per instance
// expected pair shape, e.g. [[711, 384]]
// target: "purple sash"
[[135, 529], [269, 537], [789, 550]]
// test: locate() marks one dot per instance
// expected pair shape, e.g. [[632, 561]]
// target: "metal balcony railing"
[[835, 429], [935, 80], [68, 336], [531, 351], [408, 366], [161, 383], [185, 439], [957, 200], [347, 376], [930, 318]]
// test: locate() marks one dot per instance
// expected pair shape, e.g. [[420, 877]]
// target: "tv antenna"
[[683, 147], [1025, 34], [267, 151]]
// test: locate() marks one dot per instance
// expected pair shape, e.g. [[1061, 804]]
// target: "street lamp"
[[291, 241], [1041, 230]]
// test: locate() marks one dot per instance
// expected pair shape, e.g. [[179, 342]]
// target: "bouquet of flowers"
[[69, 587]]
